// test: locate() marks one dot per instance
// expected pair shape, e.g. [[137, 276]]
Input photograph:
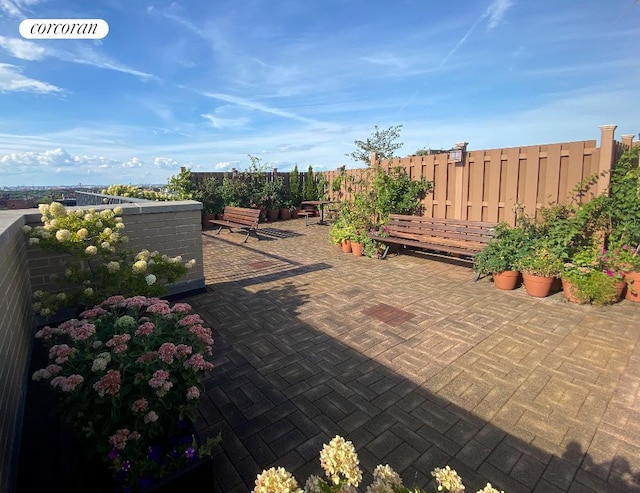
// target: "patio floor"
[[415, 364]]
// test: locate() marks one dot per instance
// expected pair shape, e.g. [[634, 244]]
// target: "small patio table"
[[320, 204]]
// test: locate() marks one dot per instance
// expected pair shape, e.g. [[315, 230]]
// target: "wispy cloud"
[[84, 55], [17, 8], [496, 12], [12, 80], [24, 50], [252, 105], [220, 122]]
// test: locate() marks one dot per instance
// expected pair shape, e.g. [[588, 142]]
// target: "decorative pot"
[[272, 214], [206, 218], [346, 246], [356, 248], [285, 213], [537, 286], [633, 284], [567, 289], [620, 287], [506, 280]]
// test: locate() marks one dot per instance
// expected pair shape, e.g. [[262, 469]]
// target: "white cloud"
[[496, 12], [134, 162], [16, 8], [11, 80], [165, 163], [19, 48], [220, 122]]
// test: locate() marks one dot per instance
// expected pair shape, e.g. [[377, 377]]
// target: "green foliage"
[[273, 193], [591, 281], [321, 186], [539, 260], [503, 251], [235, 191], [310, 190], [294, 187], [182, 185], [396, 193], [384, 142], [210, 194], [623, 203]]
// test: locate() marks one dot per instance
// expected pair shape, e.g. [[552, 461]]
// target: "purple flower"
[[126, 465], [610, 273], [190, 453], [113, 454]]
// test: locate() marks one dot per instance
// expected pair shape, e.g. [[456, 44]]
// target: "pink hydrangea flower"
[[202, 333], [115, 301], [145, 329], [94, 312], [61, 353], [193, 393], [197, 362], [151, 417], [47, 373], [159, 309], [161, 382], [120, 438], [67, 384], [109, 383], [82, 331], [167, 352], [119, 342], [140, 405], [181, 308], [191, 319], [182, 350], [147, 357]]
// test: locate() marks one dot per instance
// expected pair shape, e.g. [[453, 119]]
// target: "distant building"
[[20, 203]]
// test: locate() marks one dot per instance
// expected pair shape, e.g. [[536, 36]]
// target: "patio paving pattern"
[[416, 364]]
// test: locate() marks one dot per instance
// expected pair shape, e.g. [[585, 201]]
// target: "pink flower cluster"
[[197, 362], [47, 332], [94, 312], [136, 302], [145, 329], [140, 405], [160, 381], [181, 308], [61, 353], [115, 301], [120, 438], [78, 330], [150, 417], [109, 383], [147, 357], [166, 352], [160, 308], [47, 373], [119, 342], [191, 319], [193, 393], [67, 384], [202, 333]]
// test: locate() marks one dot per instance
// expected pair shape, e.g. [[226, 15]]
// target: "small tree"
[[383, 142], [294, 185], [182, 184], [310, 192]]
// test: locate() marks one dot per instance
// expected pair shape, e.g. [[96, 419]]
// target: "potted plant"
[[210, 194], [539, 267], [631, 256], [127, 373], [501, 255], [341, 234], [373, 248]]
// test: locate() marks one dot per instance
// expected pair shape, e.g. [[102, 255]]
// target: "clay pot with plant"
[[539, 267], [501, 255]]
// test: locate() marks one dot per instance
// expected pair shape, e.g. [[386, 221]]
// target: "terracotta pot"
[[537, 286], [356, 248], [506, 280], [285, 213], [557, 285], [272, 214], [346, 246], [567, 289], [633, 284], [620, 287]]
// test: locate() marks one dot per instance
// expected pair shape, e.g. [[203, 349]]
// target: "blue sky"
[[203, 84]]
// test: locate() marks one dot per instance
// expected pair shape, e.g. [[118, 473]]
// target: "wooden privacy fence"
[[486, 185]]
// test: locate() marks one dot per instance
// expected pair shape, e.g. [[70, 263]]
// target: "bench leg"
[[219, 229], [306, 219], [246, 237], [384, 254], [476, 277]]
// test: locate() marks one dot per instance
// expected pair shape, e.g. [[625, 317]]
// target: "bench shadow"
[[282, 387]]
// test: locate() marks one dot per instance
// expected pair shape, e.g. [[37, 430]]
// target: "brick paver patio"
[[417, 365]]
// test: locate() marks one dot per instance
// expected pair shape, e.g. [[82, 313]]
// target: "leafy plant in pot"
[[585, 280], [501, 255], [539, 268]]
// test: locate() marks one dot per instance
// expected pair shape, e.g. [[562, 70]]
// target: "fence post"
[[627, 141], [373, 158], [458, 206], [607, 149]]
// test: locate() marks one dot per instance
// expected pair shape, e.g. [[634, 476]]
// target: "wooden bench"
[[441, 237], [239, 218], [306, 214]]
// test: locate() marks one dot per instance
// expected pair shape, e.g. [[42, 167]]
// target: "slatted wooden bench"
[[440, 237], [306, 214], [239, 218]]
